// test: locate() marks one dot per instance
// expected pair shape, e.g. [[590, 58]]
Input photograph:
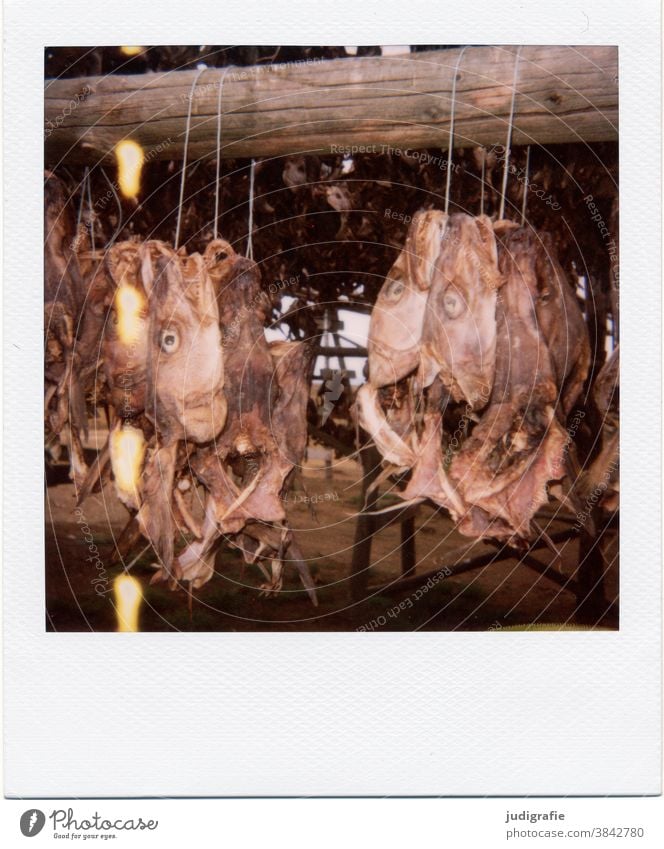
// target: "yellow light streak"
[[130, 157], [127, 446], [129, 305], [128, 598]]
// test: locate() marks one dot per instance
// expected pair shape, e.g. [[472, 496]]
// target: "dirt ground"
[[505, 594]]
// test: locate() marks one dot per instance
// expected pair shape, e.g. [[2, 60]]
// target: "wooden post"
[[563, 94], [591, 601], [408, 553], [365, 525]]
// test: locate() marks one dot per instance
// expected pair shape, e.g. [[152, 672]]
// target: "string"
[[184, 157], [482, 185], [84, 184], [451, 139], [509, 136], [92, 218], [250, 243], [525, 187], [119, 205], [217, 186]]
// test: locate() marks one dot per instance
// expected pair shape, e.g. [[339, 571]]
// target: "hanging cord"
[[250, 226], [525, 187], [91, 213], [450, 143], [509, 136], [482, 184], [84, 185], [217, 185], [119, 205], [184, 157]]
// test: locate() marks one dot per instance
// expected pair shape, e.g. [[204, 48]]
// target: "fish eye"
[[394, 290], [453, 303], [169, 340]]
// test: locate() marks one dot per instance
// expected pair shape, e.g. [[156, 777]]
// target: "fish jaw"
[[389, 365], [393, 448]]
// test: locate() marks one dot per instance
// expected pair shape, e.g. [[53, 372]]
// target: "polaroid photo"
[[332, 403]]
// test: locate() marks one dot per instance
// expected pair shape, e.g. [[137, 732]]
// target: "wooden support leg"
[[408, 554], [123, 545], [365, 526], [303, 568], [467, 558], [591, 598]]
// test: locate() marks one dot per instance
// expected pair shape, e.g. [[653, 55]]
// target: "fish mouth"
[[128, 402], [389, 365], [203, 422], [372, 418], [476, 391], [465, 382]]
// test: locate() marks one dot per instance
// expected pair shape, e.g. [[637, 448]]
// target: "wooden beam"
[[341, 351], [405, 514], [342, 448], [564, 94], [458, 561]]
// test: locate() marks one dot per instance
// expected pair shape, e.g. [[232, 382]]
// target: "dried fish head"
[[185, 361], [459, 334], [397, 319], [125, 345]]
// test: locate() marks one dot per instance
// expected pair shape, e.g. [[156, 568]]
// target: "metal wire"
[[92, 218], [509, 135], [119, 205], [84, 184], [250, 226], [450, 143], [482, 184], [217, 185], [525, 187], [184, 157]]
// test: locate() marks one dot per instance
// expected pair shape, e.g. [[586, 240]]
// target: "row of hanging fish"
[[173, 345], [479, 313]]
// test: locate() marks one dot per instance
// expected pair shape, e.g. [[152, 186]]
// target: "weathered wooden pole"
[[563, 94], [592, 603], [407, 548], [365, 526]]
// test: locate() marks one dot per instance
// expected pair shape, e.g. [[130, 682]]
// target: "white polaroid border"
[[229, 714]]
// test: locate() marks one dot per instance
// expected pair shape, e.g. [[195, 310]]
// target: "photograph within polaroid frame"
[[331, 338]]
